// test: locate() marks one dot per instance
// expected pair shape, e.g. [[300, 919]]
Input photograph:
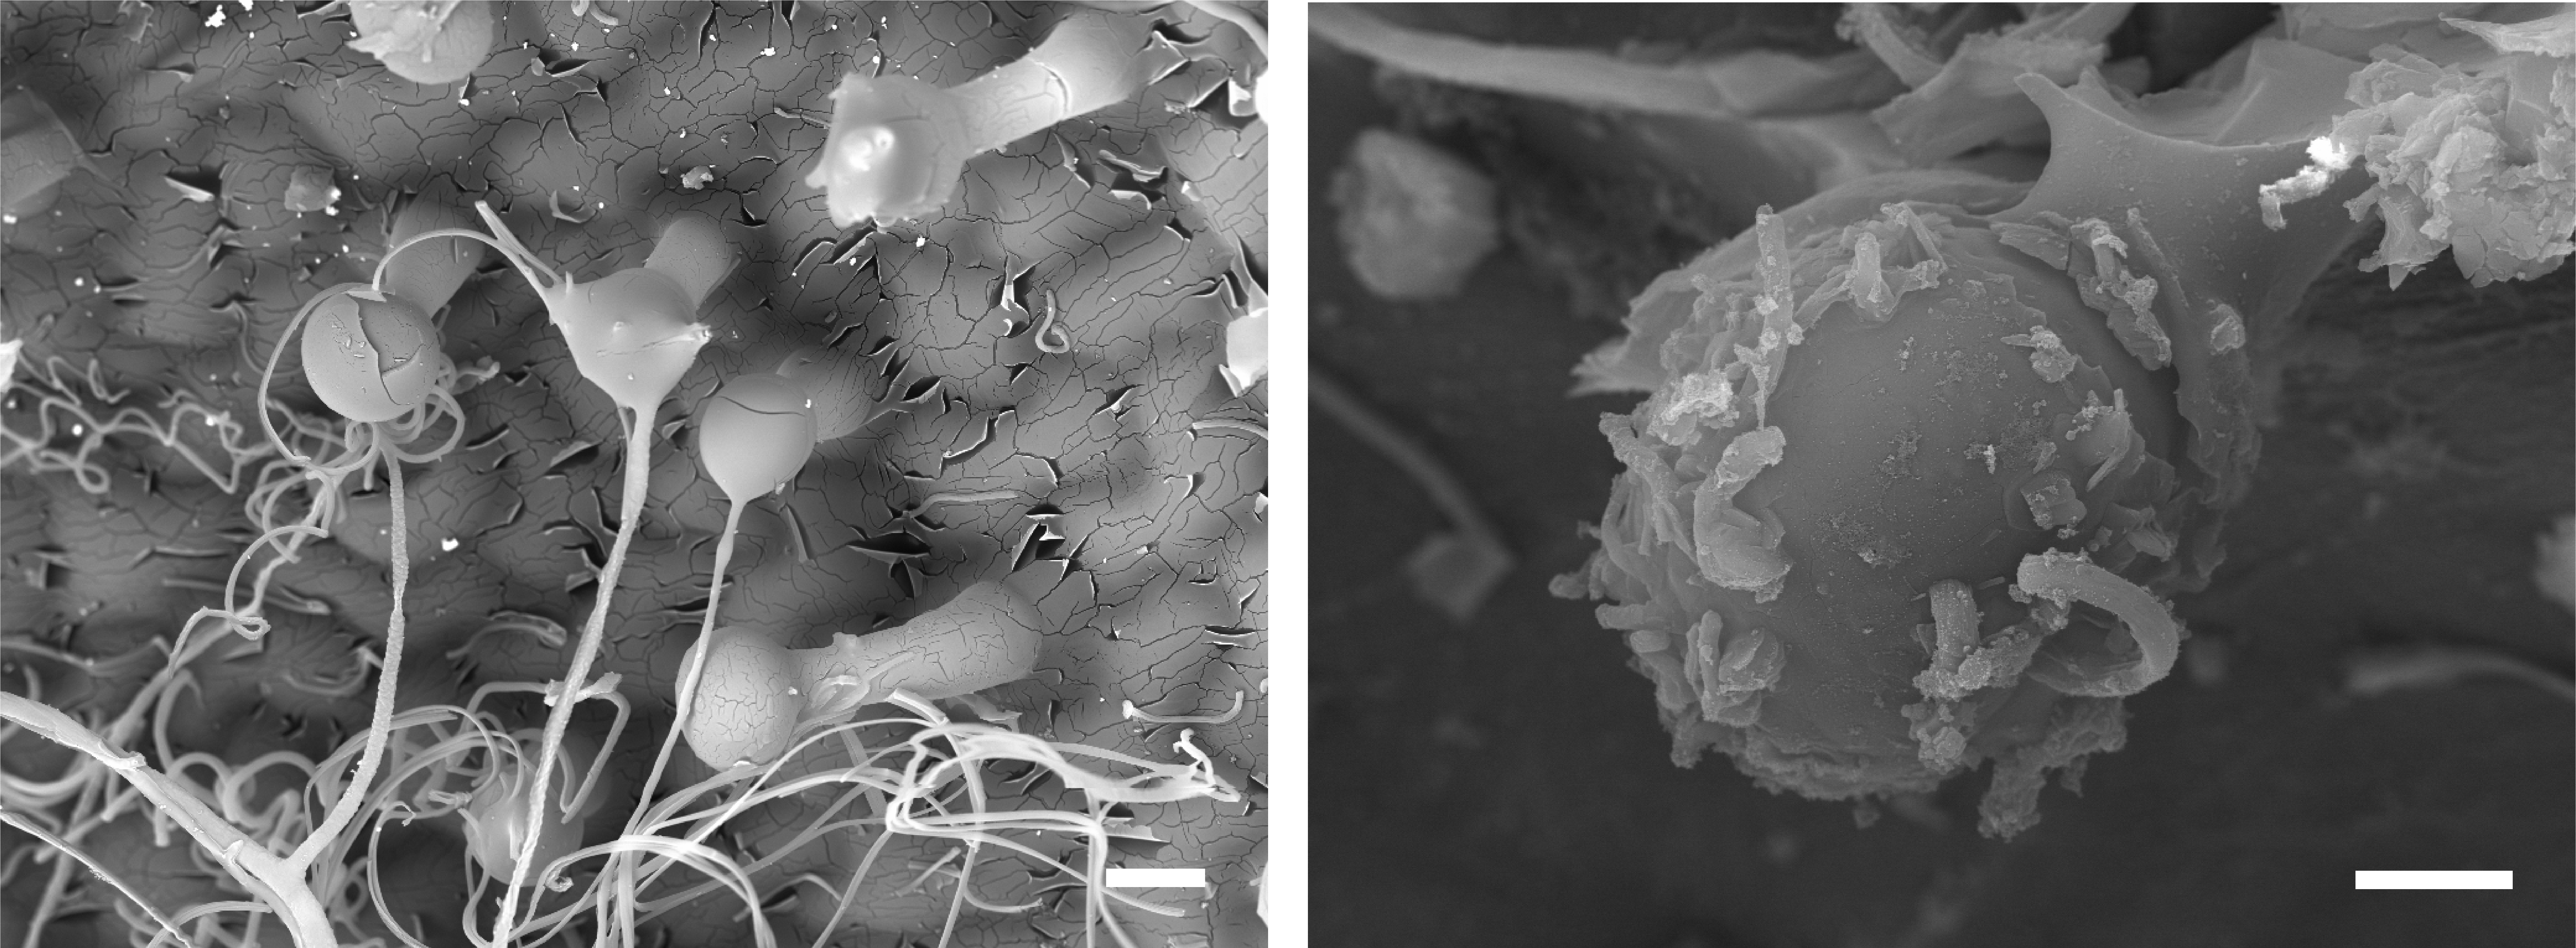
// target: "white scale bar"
[[2430, 879], [1124, 878]]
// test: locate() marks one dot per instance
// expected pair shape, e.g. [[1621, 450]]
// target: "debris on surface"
[[1455, 569], [1415, 220]]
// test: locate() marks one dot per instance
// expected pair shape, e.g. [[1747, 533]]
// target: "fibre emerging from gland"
[[378, 360], [632, 334], [754, 434]]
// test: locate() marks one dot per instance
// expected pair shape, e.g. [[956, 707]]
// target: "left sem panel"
[[399, 392]]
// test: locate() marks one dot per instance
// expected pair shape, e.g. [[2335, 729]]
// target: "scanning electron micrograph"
[[633, 474], [1943, 474]]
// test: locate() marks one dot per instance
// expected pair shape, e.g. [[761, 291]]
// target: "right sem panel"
[[1941, 474]]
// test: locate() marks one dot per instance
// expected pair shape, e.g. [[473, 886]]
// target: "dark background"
[[1506, 783]]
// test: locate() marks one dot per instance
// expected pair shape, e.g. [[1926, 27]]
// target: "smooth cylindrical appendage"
[[754, 434], [754, 691], [428, 274], [694, 253], [986, 636], [2064, 578], [747, 701], [36, 153], [1091, 61]]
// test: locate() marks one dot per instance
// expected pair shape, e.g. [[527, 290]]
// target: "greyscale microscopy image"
[[633, 474], [1942, 474]]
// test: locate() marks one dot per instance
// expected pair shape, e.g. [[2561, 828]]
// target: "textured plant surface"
[[233, 161]]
